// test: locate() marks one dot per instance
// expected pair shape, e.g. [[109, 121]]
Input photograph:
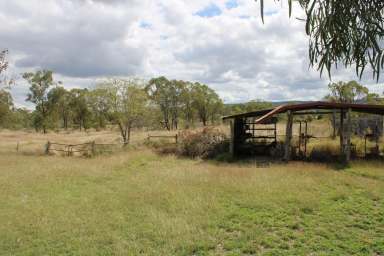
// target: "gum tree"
[[206, 102], [127, 102], [40, 82], [346, 32], [6, 102]]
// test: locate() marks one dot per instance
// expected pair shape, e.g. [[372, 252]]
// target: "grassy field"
[[136, 202]]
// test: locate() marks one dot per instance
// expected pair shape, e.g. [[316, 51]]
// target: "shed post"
[[341, 132], [347, 140], [232, 139], [345, 135], [288, 136]]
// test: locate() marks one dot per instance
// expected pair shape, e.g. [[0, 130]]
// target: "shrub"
[[206, 143], [324, 153]]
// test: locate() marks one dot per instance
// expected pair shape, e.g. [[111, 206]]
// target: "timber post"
[[93, 149], [232, 139], [47, 148], [334, 123], [345, 135], [341, 132], [348, 136], [288, 137]]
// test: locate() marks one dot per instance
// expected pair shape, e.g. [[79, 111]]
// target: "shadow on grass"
[[331, 160]]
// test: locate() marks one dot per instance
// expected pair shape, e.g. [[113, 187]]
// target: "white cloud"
[[237, 55]]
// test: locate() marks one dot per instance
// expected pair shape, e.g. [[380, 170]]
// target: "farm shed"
[[247, 126]]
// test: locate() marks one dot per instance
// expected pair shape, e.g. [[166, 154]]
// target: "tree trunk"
[[204, 120], [174, 123], [122, 132], [128, 134], [166, 118], [65, 123], [44, 113], [101, 123], [167, 126]]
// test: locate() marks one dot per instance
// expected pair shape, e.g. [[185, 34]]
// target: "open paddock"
[[137, 202]]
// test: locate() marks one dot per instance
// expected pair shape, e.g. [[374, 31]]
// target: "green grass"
[[137, 202]]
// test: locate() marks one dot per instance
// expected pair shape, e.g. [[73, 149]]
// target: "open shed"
[[246, 125]]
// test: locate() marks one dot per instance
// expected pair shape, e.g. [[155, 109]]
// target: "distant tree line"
[[124, 103], [253, 105], [159, 103]]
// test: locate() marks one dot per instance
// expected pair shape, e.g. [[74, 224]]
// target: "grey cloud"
[[79, 43], [223, 57], [240, 58]]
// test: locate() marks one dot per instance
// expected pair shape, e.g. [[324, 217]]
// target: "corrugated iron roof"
[[265, 114]]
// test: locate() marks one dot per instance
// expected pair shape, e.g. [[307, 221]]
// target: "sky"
[[222, 43]]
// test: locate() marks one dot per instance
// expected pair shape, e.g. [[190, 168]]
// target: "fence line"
[[69, 149], [88, 148]]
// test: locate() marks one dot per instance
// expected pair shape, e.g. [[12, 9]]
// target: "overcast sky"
[[221, 43]]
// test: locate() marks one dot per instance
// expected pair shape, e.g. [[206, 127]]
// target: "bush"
[[206, 143], [325, 153]]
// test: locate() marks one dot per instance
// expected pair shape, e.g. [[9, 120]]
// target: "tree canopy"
[[347, 32], [6, 102], [40, 82], [347, 92], [127, 100], [3, 62], [177, 98], [351, 92]]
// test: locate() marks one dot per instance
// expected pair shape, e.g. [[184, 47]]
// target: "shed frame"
[[308, 108]]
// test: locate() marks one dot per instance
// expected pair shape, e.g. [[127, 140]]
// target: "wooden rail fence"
[[89, 148]]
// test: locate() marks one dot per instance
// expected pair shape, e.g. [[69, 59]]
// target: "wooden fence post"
[[93, 148], [17, 147], [47, 148], [176, 138]]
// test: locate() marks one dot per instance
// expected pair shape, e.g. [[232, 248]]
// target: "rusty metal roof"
[[264, 115]]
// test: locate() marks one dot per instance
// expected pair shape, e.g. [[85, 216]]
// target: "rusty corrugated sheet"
[[268, 113]]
